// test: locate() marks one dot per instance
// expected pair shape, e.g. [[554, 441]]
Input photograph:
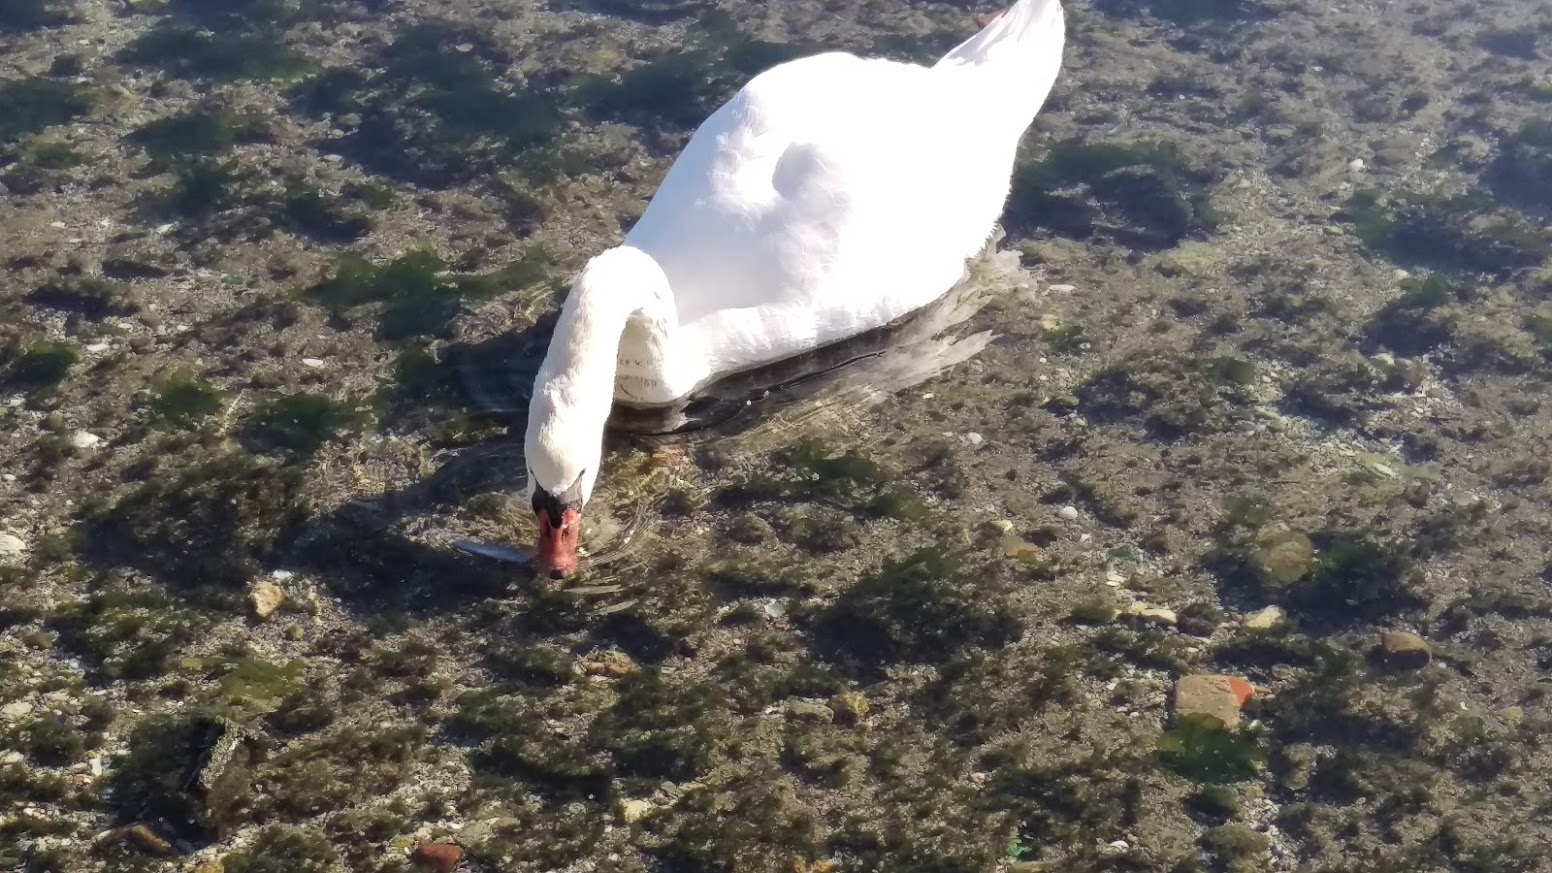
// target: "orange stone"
[[441, 857], [1242, 689]]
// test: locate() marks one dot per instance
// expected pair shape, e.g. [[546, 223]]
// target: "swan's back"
[[833, 194]]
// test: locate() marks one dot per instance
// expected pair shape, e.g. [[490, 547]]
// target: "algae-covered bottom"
[[1265, 402]]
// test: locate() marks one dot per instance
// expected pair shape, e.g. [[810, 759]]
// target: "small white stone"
[[57, 225], [82, 439], [315, 363], [1114, 578], [11, 545], [1067, 513], [95, 348], [974, 438], [12, 757], [1355, 165], [1266, 619], [1120, 845], [1062, 289]]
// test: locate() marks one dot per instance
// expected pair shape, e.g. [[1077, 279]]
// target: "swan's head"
[[562, 467]]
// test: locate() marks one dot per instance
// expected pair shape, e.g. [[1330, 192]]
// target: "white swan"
[[831, 195]]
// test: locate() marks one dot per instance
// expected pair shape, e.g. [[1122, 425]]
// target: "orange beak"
[[556, 555]]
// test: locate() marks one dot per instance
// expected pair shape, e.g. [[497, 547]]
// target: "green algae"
[[343, 767], [416, 294], [253, 685], [1144, 194], [1463, 233], [183, 400], [197, 133], [1201, 749], [285, 849], [46, 152], [202, 524], [41, 368], [1522, 173], [190, 52], [306, 211], [430, 113], [1186, 12], [30, 105], [90, 297], [127, 635], [1411, 324], [201, 188], [303, 422], [925, 607]]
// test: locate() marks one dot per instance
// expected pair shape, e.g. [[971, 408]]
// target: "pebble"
[[11, 545], [974, 438], [1404, 650], [1018, 547], [15, 710], [817, 713], [83, 440], [1212, 694], [1155, 614], [1113, 579], [11, 757], [1067, 513], [850, 706], [440, 857], [1268, 619], [314, 363], [634, 810], [265, 597], [1356, 165], [1062, 289]]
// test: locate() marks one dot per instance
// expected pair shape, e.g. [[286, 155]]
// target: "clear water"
[[1261, 377]]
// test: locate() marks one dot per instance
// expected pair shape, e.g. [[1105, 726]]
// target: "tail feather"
[[1029, 29]]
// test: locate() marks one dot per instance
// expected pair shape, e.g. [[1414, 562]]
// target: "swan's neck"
[[619, 288]]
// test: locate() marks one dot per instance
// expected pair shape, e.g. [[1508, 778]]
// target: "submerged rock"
[[439, 857], [1403, 650], [1269, 619], [1212, 695], [265, 597]]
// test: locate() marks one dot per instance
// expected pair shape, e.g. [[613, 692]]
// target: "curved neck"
[[620, 287]]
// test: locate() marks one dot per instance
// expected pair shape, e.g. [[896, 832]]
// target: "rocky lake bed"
[[1230, 551]]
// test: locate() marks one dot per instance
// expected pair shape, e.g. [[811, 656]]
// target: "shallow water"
[[1277, 334]]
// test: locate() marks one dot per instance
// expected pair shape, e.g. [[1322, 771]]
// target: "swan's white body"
[[832, 195]]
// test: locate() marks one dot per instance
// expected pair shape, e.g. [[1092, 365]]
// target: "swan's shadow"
[[496, 374]]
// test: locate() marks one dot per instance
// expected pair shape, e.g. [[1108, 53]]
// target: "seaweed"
[[1144, 194], [183, 400], [35, 103], [301, 423], [41, 368], [926, 607], [1460, 234], [197, 133], [416, 293], [1201, 749], [190, 52]]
